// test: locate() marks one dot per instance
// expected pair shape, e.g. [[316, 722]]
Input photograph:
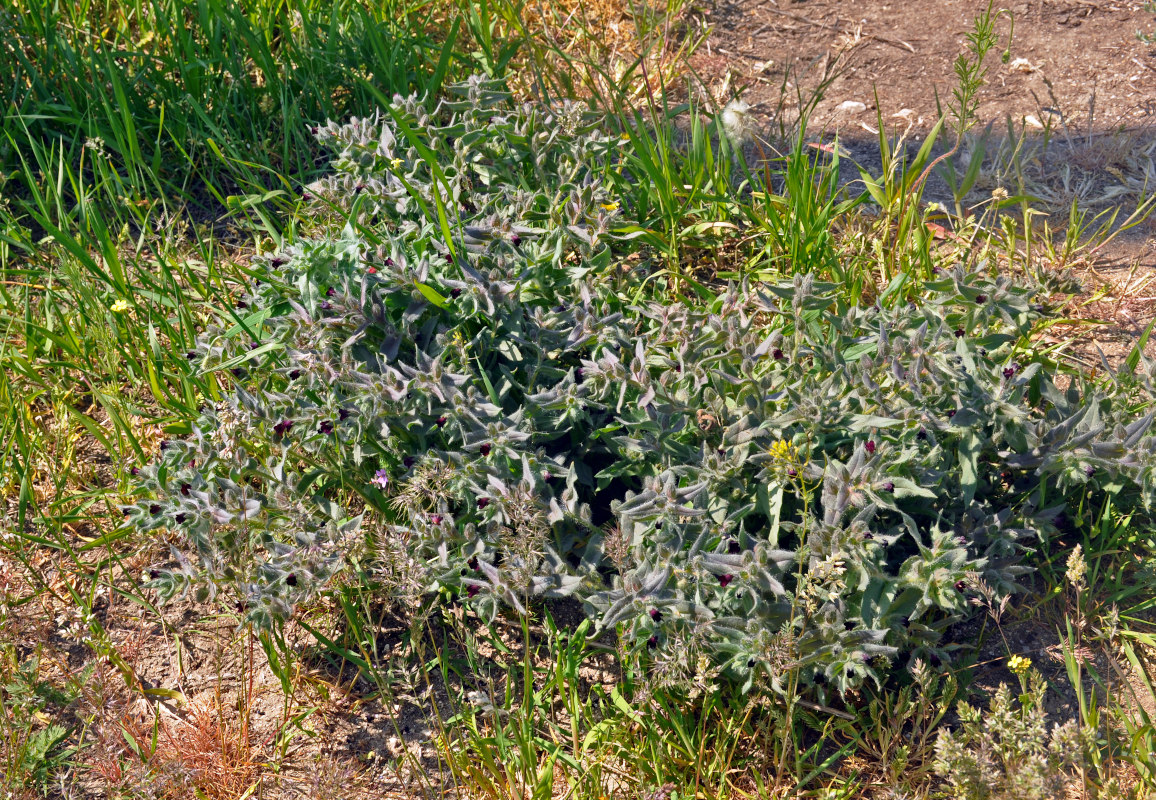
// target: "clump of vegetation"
[[805, 488]]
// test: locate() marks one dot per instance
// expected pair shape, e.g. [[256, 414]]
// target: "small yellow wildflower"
[[1019, 665], [610, 206], [395, 163], [783, 450], [120, 306]]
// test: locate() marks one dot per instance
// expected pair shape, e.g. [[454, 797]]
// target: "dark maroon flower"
[[656, 615], [449, 258], [359, 188], [455, 293], [343, 414], [889, 487], [485, 448], [792, 473], [325, 427], [724, 580], [164, 446], [733, 547], [547, 475], [126, 511], [325, 305], [278, 261], [472, 590], [436, 519], [652, 642], [154, 574], [237, 372], [282, 427], [254, 345], [314, 130], [408, 462], [134, 471], [483, 502], [922, 434], [473, 563], [959, 333], [870, 446], [658, 525], [388, 261], [1008, 373], [441, 422], [191, 355], [777, 354], [960, 586], [306, 196], [295, 374], [1089, 470], [951, 413], [180, 518], [515, 240], [292, 579], [186, 488], [981, 298], [154, 509], [242, 304], [579, 374], [330, 292], [868, 536]]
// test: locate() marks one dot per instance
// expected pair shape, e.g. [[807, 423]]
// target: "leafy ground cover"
[[412, 400]]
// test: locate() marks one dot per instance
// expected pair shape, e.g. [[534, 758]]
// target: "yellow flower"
[[120, 306], [610, 206], [1019, 665], [395, 163], [783, 450]]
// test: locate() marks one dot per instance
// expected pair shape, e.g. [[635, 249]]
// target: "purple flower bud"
[[449, 258], [330, 292], [515, 240], [325, 305], [455, 293], [485, 448], [359, 188], [441, 422], [325, 427], [652, 642], [472, 590], [254, 345], [1089, 470], [868, 536], [306, 196], [870, 446], [792, 473], [1008, 373], [292, 579], [436, 519], [134, 471], [547, 475], [579, 374], [981, 298], [777, 354], [951, 413], [483, 502], [889, 487], [724, 580], [655, 615], [278, 261]]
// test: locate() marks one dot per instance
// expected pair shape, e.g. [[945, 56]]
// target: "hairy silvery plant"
[[800, 488]]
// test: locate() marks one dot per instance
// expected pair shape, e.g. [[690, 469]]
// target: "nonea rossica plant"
[[795, 486]]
